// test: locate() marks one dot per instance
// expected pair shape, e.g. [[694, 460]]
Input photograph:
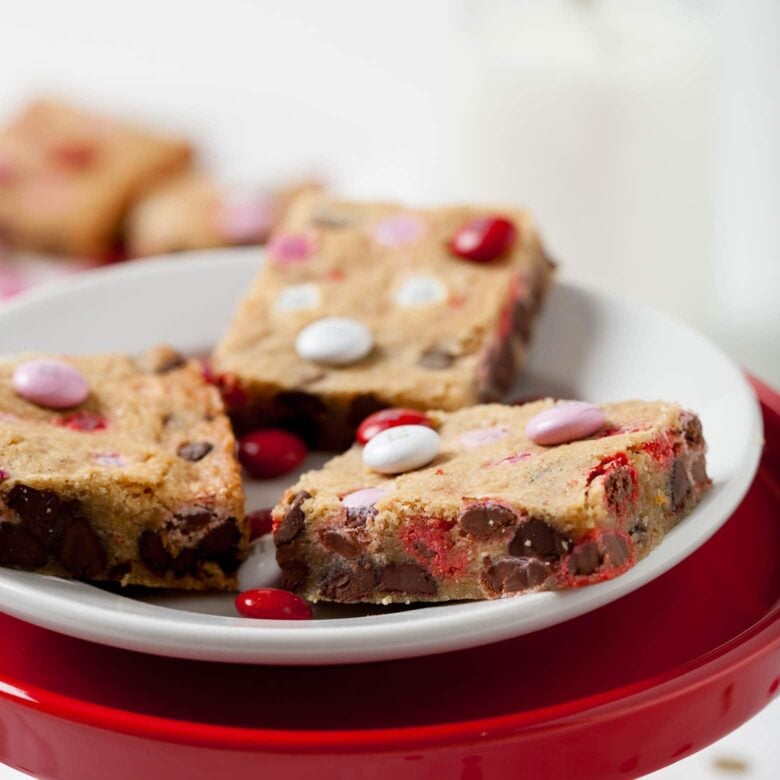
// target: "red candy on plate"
[[271, 452], [272, 604], [260, 523], [484, 239], [389, 418]]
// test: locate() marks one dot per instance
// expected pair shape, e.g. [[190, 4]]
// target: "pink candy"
[[290, 247], [363, 498], [564, 423], [400, 229], [245, 219], [50, 383], [479, 437]]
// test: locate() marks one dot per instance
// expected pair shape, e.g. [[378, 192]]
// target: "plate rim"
[[277, 637]]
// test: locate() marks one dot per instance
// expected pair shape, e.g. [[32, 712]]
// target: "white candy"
[[420, 291], [260, 569], [336, 341], [297, 297], [403, 448]]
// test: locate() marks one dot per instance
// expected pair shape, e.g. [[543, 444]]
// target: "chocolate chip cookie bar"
[[118, 470], [489, 512], [364, 306], [194, 211], [67, 177]]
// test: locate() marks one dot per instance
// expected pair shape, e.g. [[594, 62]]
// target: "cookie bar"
[[193, 211], [67, 177], [119, 470], [493, 513], [365, 306]]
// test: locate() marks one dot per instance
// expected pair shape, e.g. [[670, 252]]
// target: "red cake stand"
[[619, 692]]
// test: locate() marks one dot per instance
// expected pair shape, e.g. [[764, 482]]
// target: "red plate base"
[[619, 692]]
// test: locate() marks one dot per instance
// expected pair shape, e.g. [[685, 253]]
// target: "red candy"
[[272, 604], [87, 422], [389, 418], [73, 155], [271, 452], [484, 239], [260, 523]]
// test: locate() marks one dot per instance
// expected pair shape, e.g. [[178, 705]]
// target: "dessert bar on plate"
[[468, 505], [194, 211], [67, 176], [364, 306], [118, 469]]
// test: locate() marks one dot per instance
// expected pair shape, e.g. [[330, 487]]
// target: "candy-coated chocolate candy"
[[50, 383], [245, 217], [364, 498], [298, 297], [271, 452], [389, 418], [401, 229], [420, 291], [336, 341], [404, 448], [287, 248], [260, 569], [260, 523], [484, 239], [564, 423], [272, 604]]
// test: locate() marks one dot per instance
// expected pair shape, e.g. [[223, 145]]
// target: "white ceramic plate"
[[588, 345]]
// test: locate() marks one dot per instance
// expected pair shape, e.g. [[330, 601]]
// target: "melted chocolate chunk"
[[618, 488], [293, 521], [39, 510], [535, 539], [615, 551], [512, 574], [501, 369], [190, 521], [362, 406], [436, 358], [81, 550], [584, 558], [679, 484], [340, 542], [152, 552], [522, 319], [358, 516], [19, 547], [221, 539], [348, 583], [692, 429], [609, 551], [294, 574], [699, 470], [195, 450], [484, 521], [407, 578]]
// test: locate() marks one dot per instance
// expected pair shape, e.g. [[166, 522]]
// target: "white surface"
[[588, 345]]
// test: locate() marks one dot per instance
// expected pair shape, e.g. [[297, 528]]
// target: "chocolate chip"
[[483, 521], [190, 521], [82, 551], [436, 358], [220, 539], [195, 450], [340, 542], [535, 539], [615, 551], [294, 574], [584, 558], [522, 319], [186, 562], [293, 521], [348, 583], [358, 516], [301, 413], [511, 574], [699, 470], [152, 552], [618, 488], [39, 511], [680, 484], [692, 429], [362, 406], [18, 547], [501, 369], [406, 578]]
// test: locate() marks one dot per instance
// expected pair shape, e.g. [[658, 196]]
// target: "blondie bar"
[[118, 469], [491, 513], [365, 306]]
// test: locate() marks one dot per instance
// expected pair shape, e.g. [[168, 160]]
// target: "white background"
[[644, 135]]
